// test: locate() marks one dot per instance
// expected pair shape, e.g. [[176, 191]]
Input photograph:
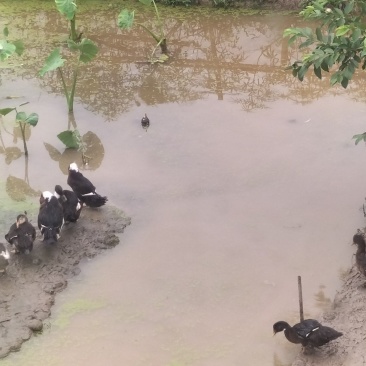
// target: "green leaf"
[[344, 82], [307, 43], [6, 111], [32, 119], [348, 72], [19, 47], [146, 2], [325, 66], [66, 7], [356, 34], [53, 61], [70, 138], [302, 71], [88, 49], [348, 8], [318, 72], [359, 138], [334, 79], [21, 117], [342, 30], [125, 19], [6, 49], [319, 34]]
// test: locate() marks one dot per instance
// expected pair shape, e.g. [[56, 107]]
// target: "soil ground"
[[348, 316], [29, 286]]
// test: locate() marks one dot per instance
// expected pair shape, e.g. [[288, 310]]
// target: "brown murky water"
[[245, 179]]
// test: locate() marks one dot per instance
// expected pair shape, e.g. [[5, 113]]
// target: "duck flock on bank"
[[56, 209], [65, 206]]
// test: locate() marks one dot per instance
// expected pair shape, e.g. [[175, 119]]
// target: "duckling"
[[71, 205], [4, 258], [145, 122], [359, 240], [50, 217], [21, 234], [83, 188], [309, 332]]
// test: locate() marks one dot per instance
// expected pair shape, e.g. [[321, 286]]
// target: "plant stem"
[[159, 21], [72, 93], [157, 39], [73, 34], [22, 129], [64, 86]]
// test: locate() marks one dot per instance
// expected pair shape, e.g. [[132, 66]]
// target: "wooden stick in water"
[[300, 298]]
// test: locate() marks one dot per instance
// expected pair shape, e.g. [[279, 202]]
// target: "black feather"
[[50, 219]]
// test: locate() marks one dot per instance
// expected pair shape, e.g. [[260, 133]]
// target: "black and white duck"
[[359, 240], [50, 217], [309, 332], [4, 258], [71, 205], [83, 188], [21, 234]]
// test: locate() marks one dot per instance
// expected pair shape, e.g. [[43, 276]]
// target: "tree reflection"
[[93, 151], [236, 56]]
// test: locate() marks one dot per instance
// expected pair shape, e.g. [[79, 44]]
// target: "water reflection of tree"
[[93, 149], [239, 57], [17, 188]]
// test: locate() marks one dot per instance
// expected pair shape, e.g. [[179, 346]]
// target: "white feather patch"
[[89, 194], [47, 195], [73, 166], [5, 254]]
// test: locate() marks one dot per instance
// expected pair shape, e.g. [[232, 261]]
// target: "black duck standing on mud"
[[359, 240], [71, 205], [22, 235], [83, 188], [309, 332], [50, 217], [4, 258]]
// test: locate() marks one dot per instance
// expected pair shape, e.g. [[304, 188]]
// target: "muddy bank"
[[348, 316], [28, 289]]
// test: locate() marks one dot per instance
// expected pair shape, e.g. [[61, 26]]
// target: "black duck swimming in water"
[[145, 122], [359, 240], [4, 258], [309, 332], [83, 188], [50, 217], [21, 234], [71, 205]]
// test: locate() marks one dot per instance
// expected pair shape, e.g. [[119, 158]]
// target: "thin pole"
[[300, 298]]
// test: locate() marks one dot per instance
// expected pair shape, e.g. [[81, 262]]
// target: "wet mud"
[[348, 315], [31, 282]]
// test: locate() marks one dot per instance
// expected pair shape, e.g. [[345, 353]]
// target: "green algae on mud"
[[73, 308]]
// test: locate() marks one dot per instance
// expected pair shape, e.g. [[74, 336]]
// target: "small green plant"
[[87, 50], [126, 20], [68, 9], [22, 119]]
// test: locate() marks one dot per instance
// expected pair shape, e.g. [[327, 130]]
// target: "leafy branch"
[[87, 50]]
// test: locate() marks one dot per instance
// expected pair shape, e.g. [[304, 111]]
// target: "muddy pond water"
[[245, 179]]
